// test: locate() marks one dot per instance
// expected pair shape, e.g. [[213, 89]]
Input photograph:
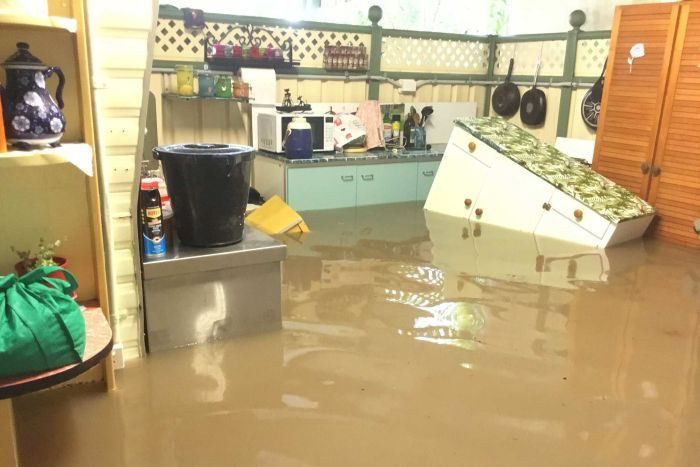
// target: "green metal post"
[[375, 58], [490, 73], [576, 20]]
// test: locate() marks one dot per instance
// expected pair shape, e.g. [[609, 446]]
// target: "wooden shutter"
[[633, 101], [675, 187]]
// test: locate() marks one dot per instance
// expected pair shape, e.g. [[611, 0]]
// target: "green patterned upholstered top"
[[608, 199]]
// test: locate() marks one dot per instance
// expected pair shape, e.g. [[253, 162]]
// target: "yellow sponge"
[[275, 217]]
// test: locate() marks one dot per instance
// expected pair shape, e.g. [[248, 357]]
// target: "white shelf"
[[78, 154], [47, 22]]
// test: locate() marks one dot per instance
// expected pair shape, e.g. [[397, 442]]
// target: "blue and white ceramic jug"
[[31, 115]]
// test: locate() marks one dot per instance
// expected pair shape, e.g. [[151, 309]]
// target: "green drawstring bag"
[[41, 326]]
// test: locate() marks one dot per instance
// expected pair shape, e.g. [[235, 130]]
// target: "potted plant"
[[45, 256]]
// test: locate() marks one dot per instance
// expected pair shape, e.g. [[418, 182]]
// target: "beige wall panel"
[[310, 90], [577, 128], [48, 202], [548, 131]]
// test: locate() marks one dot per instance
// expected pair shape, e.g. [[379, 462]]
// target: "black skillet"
[[533, 106], [506, 97]]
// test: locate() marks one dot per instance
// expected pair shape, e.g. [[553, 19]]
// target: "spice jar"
[[185, 80]]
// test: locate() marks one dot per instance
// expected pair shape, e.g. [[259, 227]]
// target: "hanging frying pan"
[[506, 97], [533, 106], [590, 107]]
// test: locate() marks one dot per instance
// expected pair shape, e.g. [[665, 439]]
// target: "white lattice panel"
[[590, 57], [437, 56], [175, 42], [526, 55]]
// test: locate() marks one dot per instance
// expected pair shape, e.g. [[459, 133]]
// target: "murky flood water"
[[417, 339]]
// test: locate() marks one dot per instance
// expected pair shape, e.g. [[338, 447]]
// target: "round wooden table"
[[98, 345]]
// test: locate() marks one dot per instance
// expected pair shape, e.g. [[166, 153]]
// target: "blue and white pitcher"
[[31, 115]]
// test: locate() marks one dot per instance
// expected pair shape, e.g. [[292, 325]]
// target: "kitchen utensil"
[[506, 96], [425, 113], [31, 115], [533, 106], [591, 105]]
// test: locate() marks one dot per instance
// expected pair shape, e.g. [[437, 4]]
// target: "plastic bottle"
[[168, 220], [396, 126], [154, 239]]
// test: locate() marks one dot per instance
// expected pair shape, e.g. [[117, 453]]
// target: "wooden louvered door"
[[675, 183], [633, 99]]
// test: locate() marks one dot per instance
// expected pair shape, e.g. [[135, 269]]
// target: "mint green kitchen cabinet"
[[426, 177], [386, 183], [331, 181], [322, 187]]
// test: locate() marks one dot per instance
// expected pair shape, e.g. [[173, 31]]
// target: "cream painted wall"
[[545, 16]]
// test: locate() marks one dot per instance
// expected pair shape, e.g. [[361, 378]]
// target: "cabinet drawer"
[[579, 214], [426, 177], [474, 147], [512, 197], [386, 183], [457, 184], [321, 188]]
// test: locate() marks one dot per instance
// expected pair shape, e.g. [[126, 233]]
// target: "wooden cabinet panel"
[[633, 99], [675, 183]]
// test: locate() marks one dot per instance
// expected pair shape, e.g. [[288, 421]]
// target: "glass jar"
[[207, 82], [185, 80], [223, 86]]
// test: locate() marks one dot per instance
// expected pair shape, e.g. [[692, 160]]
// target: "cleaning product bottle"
[[154, 241], [396, 128]]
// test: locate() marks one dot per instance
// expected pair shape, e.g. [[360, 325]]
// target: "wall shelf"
[[175, 96], [47, 22], [76, 153]]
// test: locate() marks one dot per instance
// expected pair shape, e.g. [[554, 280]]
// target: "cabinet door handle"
[[478, 212], [578, 214], [467, 202], [655, 171], [347, 178], [546, 206], [472, 146], [428, 173], [644, 168], [368, 178]]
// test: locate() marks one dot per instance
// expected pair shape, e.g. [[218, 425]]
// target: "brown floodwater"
[[416, 339]]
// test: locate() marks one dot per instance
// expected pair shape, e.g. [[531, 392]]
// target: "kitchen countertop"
[[608, 199], [255, 248], [369, 157]]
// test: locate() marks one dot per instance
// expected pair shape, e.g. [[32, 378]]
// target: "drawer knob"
[[467, 202], [478, 212], [578, 214], [546, 206], [645, 168], [472, 146], [656, 171]]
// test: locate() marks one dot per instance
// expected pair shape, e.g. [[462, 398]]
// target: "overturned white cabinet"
[[496, 173]]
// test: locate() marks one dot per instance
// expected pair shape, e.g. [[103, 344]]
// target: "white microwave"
[[272, 128]]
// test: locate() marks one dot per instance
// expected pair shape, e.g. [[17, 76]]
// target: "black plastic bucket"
[[208, 186]]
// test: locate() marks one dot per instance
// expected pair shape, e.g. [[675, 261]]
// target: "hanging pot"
[[592, 101], [533, 106], [506, 96]]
